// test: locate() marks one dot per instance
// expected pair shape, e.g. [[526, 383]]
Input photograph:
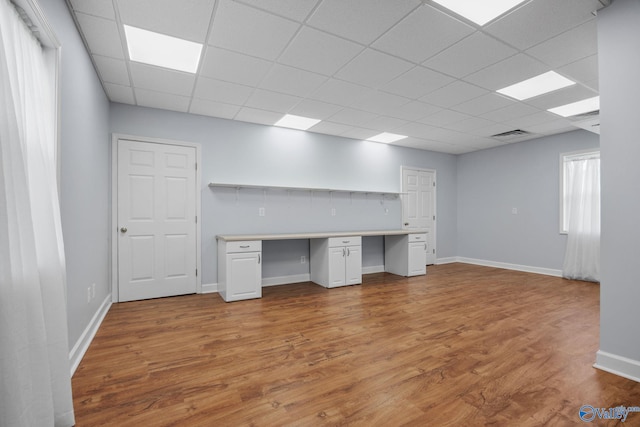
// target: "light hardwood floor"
[[463, 346]]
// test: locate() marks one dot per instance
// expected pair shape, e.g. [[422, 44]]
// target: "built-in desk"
[[335, 258]]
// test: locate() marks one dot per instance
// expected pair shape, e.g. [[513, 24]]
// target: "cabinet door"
[[337, 258], [353, 266], [244, 276], [417, 258]]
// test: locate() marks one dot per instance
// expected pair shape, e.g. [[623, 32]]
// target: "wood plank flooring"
[[463, 346]]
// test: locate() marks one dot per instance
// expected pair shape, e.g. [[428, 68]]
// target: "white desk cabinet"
[[240, 269], [406, 255], [336, 261]]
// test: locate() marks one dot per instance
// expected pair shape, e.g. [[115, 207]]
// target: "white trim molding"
[[82, 345], [507, 266], [209, 288], [618, 365], [285, 280]]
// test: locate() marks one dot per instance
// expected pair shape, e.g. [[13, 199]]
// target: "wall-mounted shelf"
[[311, 189]]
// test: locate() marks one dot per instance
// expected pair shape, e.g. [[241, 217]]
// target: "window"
[[568, 175]]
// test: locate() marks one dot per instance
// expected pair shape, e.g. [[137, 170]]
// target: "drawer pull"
[[245, 246], [258, 258], [345, 241]]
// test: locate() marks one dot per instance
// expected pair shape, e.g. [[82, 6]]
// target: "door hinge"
[[434, 217], [434, 183], [196, 219], [196, 165], [196, 272]]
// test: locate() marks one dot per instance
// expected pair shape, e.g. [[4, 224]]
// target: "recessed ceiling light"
[[162, 50], [535, 86], [580, 107], [386, 137], [478, 11], [296, 122]]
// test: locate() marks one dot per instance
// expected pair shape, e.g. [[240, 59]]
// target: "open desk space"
[[335, 258]]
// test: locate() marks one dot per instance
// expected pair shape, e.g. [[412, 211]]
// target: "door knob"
[[406, 224], [123, 230]]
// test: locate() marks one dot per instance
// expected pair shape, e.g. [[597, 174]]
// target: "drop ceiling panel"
[[112, 70], [187, 20], [272, 101], [413, 111], [323, 53], [483, 104], [250, 31], [253, 115], [101, 35], [234, 67], [417, 82], [385, 124], [584, 70], [351, 116], [293, 81], [470, 55], [293, 9], [339, 92], [330, 128], [165, 101], [213, 109], [510, 112], [219, 91], [568, 47], [118, 93], [540, 20], [373, 68], [422, 34], [362, 21], [161, 79], [453, 94], [380, 102], [444, 118], [315, 109], [99, 8], [507, 72]]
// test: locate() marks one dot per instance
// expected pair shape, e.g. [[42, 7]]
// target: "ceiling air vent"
[[511, 134]]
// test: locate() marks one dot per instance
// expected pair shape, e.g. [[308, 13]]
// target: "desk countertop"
[[316, 235]]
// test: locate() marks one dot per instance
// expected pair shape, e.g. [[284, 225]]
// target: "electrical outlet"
[[93, 290], [514, 211], [303, 259], [261, 212]]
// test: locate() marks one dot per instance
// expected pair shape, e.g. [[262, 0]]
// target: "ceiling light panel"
[[386, 137], [580, 107], [161, 50], [479, 12], [296, 122], [543, 83]]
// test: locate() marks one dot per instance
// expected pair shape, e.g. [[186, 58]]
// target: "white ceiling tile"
[[563, 96], [118, 93], [412, 111], [271, 101], [250, 31], [293, 81], [453, 94], [112, 70], [507, 72], [352, 117], [483, 104], [418, 130], [102, 35], [233, 67], [187, 20], [584, 70], [360, 20], [534, 119], [100, 8], [316, 51], [315, 109], [385, 124], [373, 68], [359, 133], [213, 109], [469, 124], [330, 128], [539, 20], [164, 101], [494, 129], [293, 9], [380, 102], [444, 117], [339, 92], [162, 79], [417, 82], [253, 115], [568, 47], [219, 91], [422, 34], [470, 55], [513, 111], [549, 128]]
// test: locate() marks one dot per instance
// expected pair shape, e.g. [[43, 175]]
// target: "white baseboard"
[[447, 260], [618, 365], [507, 266], [285, 280], [82, 345], [373, 269], [209, 288]]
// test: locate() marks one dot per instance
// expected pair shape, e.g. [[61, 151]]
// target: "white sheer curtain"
[[582, 256], [35, 386]]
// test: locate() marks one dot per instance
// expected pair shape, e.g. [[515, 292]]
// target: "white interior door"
[[418, 205], [157, 228]]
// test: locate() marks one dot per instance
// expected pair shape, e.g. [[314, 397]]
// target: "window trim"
[[563, 158]]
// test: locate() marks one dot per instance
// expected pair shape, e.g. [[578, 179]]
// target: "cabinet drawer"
[[422, 237], [345, 241], [244, 246]]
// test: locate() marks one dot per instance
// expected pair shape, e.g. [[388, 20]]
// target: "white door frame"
[[115, 137], [435, 198]]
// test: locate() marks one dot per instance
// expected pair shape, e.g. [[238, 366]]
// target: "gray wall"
[[84, 173], [248, 153], [619, 64], [524, 176]]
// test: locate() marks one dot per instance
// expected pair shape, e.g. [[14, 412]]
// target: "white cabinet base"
[[239, 270], [406, 255], [336, 261]]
